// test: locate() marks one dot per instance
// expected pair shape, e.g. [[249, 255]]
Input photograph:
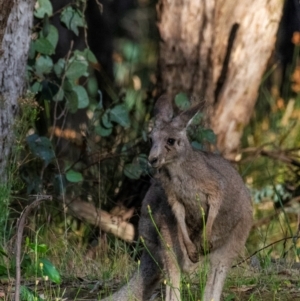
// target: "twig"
[[281, 155], [20, 228], [100, 6], [294, 237]]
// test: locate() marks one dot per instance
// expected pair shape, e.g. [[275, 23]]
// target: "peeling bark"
[[15, 28], [218, 50]]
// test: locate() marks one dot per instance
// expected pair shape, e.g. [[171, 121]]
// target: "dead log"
[[115, 223]]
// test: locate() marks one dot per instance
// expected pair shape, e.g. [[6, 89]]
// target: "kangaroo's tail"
[[141, 285]]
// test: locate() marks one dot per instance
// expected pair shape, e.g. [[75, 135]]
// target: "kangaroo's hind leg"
[[219, 267], [164, 241], [170, 249], [142, 284], [221, 259]]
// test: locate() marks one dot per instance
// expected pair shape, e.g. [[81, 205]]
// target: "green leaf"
[[76, 67], [41, 248], [133, 171], [209, 136], [59, 67], [142, 160], [59, 95], [72, 18], [68, 86], [52, 36], [90, 56], [74, 176], [46, 26], [131, 50], [48, 269], [41, 147], [43, 65], [119, 114], [197, 118], [182, 101], [72, 100], [43, 7], [197, 145], [83, 99], [92, 86], [43, 46], [28, 295], [36, 87], [130, 98], [106, 121], [103, 132]]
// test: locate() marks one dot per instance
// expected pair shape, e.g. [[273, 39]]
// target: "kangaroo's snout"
[[153, 161], [154, 155]]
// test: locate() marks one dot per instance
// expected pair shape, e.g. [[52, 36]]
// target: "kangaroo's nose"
[[153, 160]]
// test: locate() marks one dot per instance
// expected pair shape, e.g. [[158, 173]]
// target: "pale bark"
[[218, 49], [15, 29], [115, 222]]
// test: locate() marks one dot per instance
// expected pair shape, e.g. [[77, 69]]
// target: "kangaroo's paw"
[[192, 253]]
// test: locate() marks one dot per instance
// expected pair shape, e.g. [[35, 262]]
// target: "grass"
[[277, 282], [113, 265]]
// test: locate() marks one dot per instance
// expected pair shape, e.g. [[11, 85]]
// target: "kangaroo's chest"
[[186, 190]]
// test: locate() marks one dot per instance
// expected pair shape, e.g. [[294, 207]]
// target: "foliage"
[[34, 264], [67, 86]]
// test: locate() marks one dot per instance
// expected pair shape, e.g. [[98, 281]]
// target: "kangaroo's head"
[[169, 139]]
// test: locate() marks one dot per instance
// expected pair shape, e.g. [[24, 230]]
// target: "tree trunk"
[[218, 49], [15, 29]]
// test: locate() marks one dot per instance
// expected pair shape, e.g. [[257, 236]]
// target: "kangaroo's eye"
[[170, 141], [150, 140]]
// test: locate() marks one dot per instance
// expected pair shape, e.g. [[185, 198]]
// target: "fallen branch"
[[110, 223]]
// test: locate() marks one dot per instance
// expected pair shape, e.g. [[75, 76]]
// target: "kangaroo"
[[188, 184], [164, 255]]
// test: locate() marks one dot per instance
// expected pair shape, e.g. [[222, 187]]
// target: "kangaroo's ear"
[[185, 118], [163, 110]]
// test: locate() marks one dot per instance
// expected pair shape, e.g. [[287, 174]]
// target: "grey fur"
[[189, 184]]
